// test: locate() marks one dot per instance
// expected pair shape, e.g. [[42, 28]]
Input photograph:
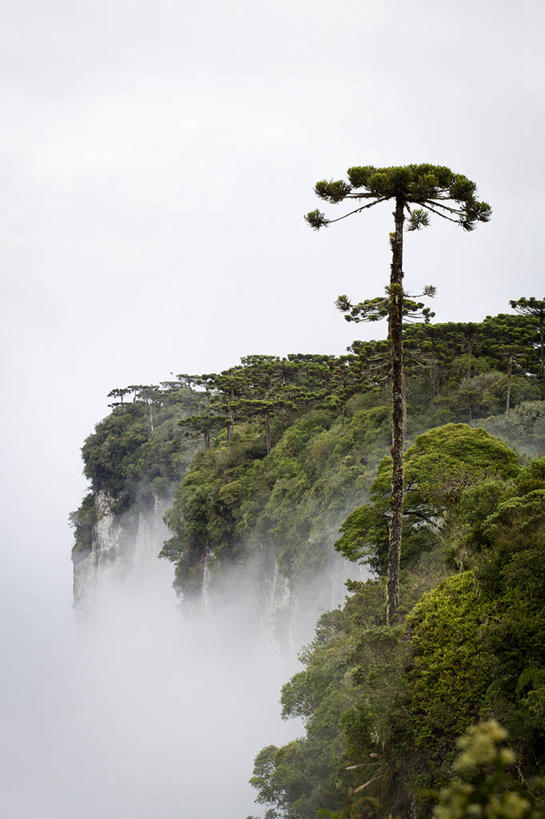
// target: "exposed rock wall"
[[123, 546], [294, 610]]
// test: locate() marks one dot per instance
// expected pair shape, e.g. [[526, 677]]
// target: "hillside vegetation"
[[283, 457], [384, 705]]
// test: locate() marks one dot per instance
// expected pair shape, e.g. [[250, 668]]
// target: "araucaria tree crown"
[[423, 189]]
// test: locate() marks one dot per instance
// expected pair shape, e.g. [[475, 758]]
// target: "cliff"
[[123, 545], [254, 469]]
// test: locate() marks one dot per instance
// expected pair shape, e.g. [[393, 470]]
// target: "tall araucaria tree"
[[416, 191]]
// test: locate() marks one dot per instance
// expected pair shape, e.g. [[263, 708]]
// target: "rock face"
[[293, 610], [125, 549], [123, 546]]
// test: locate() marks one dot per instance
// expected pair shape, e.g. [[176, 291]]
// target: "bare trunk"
[[541, 342], [151, 417], [395, 321]]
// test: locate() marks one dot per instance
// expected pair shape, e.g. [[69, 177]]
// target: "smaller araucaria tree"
[[417, 191]]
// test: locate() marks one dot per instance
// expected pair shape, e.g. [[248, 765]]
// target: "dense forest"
[[280, 458]]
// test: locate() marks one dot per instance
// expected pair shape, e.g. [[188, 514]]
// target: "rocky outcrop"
[[123, 546]]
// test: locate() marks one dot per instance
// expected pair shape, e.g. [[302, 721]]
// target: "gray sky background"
[[157, 160], [156, 163]]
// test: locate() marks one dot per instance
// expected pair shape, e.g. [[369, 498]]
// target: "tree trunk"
[[541, 344], [395, 321]]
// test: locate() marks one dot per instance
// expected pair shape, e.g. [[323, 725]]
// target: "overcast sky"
[[156, 163]]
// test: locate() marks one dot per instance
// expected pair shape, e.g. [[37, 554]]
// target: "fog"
[[137, 705], [136, 709]]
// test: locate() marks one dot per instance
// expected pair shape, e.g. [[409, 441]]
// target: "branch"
[[429, 291], [360, 195], [442, 215], [459, 211], [358, 210], [365, 784]]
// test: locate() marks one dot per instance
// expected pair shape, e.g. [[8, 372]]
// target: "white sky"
[[157, 160], [156, 163]]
